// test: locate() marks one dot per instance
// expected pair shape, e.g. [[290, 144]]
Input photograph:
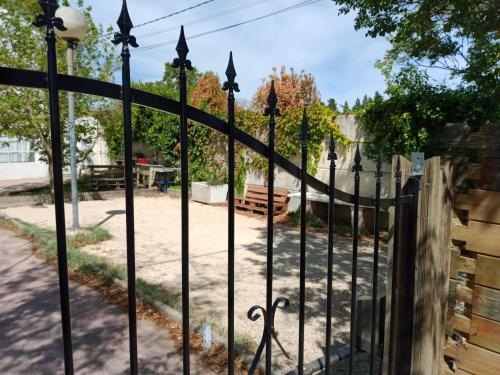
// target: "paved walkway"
[[30, 329]]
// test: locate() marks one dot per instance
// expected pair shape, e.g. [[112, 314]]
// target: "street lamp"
[[76, 27]]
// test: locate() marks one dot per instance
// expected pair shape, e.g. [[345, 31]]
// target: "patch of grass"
[[90, 236], [311, 219]]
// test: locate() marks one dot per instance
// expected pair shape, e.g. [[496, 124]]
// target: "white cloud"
[[313, 38]]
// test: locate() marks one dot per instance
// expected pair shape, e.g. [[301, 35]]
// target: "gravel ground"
[[158, 259]]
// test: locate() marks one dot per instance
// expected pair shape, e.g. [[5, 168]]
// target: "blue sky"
[[313, 38]]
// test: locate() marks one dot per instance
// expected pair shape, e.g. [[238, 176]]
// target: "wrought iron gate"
[[402, 239]]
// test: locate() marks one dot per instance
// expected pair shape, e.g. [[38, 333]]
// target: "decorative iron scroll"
[[269, 331]]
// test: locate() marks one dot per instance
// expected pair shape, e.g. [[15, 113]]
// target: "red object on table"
[[142, 161]]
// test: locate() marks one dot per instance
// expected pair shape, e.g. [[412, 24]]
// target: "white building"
[[19, 161]]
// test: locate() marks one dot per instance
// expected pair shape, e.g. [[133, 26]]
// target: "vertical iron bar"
[[302, 286], [375, 306], [231, 87], [332, 156], [125, 24], [394, 289], [182, 63], [48, 19], [356, 169], [272, 112]]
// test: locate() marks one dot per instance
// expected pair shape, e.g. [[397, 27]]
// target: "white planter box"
[[210, 194]]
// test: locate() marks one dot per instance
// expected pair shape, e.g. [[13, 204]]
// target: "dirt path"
[[158, 234], [30, 329]]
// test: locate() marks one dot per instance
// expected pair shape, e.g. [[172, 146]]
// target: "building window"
[[15, 151]]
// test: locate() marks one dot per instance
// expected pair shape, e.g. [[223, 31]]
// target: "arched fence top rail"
[[38, 80]]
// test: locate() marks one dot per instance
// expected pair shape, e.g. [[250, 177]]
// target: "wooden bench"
[[255, 200]]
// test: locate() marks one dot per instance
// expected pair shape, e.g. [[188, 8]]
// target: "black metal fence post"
[[272, 111], [49, 20], [125, 24], [395, 255], [332, 156], [352, 343], [374, 322], [182, 63], [303, 202], [230, 86]]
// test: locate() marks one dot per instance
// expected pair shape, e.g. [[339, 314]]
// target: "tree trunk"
[[51, 174]]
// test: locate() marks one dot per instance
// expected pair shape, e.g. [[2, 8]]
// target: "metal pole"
[[231, 86], [49, 20], [184, 64], [374, 350], [125, 39], [352, 342], [332, 156], [272, 112], [72, 137], [303, 212]]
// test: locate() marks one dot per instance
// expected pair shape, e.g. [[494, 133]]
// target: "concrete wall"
[[344, 176]]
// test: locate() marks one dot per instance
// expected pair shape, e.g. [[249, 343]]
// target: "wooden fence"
[[473, 324]]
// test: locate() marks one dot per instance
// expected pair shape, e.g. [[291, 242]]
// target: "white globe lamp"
[[75, 23]]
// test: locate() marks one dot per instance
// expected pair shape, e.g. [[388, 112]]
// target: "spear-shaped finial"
[[357, 160], [125, 24], [182, 52], [182, 47], [331, 150], [48, 18], [272, 101], [230, 84]]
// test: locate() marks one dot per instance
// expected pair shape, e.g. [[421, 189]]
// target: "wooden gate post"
[[422, 273]]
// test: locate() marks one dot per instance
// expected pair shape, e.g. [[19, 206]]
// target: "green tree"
[[332, 104], [357, 105], [413, 112], [24, 113], [459, 36], [345, 108]]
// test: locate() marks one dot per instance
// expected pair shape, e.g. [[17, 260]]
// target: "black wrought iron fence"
[[54, 82]]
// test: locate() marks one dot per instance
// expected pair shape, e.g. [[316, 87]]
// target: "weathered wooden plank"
[[460, 263], [474, 359], [463, 293], [489, 214], [461, 323], [479, 237], [485, 332], [488, 271], [431, 267], [486, 302], [479, 197]]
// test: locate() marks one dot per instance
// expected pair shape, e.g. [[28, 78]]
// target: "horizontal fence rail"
[[38, 80]]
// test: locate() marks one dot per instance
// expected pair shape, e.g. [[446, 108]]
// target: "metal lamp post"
[[76, 27]]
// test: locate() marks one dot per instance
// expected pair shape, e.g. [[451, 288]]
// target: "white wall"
[[344, 176], [20, 171]]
